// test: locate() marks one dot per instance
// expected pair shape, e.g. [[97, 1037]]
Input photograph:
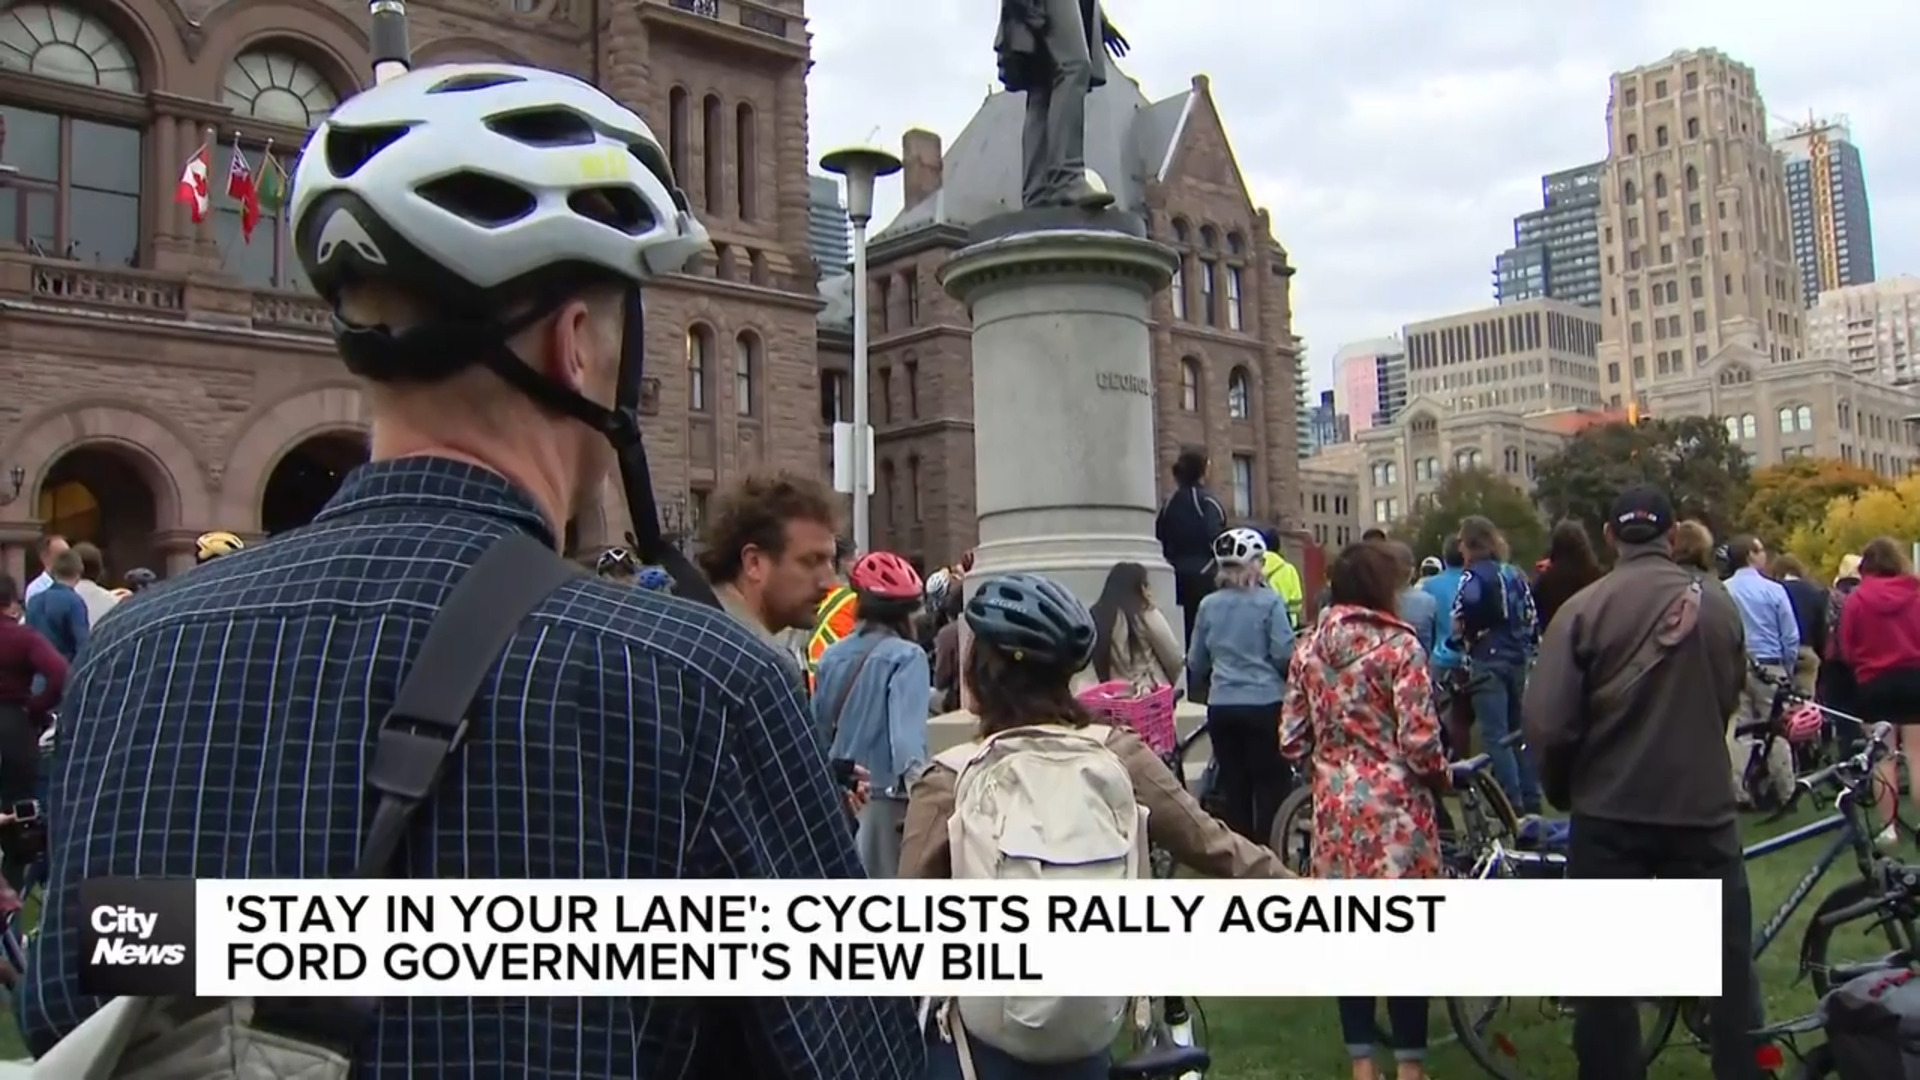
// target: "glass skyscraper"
[[1556, 249], [1827, 202]]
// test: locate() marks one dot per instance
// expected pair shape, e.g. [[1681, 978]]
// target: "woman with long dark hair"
[[1132, 640], [1571, 566]]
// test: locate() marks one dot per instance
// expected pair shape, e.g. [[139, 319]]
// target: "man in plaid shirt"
[[221, 724]]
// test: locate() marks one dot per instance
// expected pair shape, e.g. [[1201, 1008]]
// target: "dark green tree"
[[1690, 458], [1464, 493]]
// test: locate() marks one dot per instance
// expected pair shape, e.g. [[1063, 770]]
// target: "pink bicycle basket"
[[1150, 715], [1804, 722]]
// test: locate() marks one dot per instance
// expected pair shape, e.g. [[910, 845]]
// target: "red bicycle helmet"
[[887, 576]]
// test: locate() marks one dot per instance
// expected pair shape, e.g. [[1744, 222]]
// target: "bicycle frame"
[[1852, 839]]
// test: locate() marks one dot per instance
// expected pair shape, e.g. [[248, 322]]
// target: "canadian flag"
[[193, 192]]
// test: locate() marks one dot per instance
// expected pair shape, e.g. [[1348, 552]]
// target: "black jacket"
[[1187, 526], [1809, 613]]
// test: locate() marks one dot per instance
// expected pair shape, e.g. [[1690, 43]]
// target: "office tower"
[[1325, 426], [829, 234], [1696, 248], [1370, 381], [1556, 249], [1524, 357], [1302, 409], [1874, 328], [1827, 199]]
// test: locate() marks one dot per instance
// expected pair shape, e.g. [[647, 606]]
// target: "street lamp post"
[[860, 166]]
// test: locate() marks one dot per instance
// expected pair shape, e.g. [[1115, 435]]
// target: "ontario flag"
[[241, 189], [192, 191]]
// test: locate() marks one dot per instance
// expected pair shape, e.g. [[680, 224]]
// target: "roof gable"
[[1200, 150]]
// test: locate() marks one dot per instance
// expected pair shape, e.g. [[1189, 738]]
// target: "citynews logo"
[[136, 937], [135, 927]]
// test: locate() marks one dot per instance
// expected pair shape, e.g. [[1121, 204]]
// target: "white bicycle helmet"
[[939, 583], [1239, 547], [458, 179]]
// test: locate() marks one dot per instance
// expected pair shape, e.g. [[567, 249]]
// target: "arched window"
[[713, 153], [746, 159], [1190, 384], [76, 189], [1208, 238], [913, 489], [1733, 428], [746, 357], [1805, 415], [1239, 395], [1749, 426], [1182, 232], [1691, 178], [277, 87], [699, 367], [888, 492], [1659, 185], [679, 135], [1235, 245], [1786, 419], [1629, 193], [65, 42]]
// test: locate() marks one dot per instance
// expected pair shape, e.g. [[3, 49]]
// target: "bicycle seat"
[[1472, 765], [1845, 973], [1161, 1063]]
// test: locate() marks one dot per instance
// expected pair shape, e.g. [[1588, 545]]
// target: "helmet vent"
[[475, 80], [617, 208], [544, 127], [483, 200], [349, 149]]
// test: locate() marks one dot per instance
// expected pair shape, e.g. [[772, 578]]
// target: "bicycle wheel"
[[1292, 835], [1532, 1038], [1852, 938]]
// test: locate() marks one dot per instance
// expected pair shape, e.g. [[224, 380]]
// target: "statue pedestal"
[[1063, 394]]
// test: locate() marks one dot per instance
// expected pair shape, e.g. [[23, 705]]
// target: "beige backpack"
[[1046, 803]]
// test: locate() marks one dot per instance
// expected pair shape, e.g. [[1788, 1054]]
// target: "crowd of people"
[[625, 732]]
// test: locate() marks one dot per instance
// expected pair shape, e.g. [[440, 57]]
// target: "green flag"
[[272, 185]]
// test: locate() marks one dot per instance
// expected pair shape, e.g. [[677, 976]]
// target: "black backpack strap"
[[425, 731], [428, 724]]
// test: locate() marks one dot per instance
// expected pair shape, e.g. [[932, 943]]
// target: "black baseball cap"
[[1641, 514]]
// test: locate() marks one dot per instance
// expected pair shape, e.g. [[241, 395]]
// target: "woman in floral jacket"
[[1360, 707]]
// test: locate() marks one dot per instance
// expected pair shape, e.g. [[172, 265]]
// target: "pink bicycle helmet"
[[1804, 722]]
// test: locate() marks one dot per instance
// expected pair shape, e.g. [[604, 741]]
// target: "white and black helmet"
[[1239, 547], [462, 178]]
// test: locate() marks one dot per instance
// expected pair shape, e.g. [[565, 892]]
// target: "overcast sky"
[[1395, 140]]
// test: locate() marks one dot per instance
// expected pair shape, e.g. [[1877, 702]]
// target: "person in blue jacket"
[[1496, 629]]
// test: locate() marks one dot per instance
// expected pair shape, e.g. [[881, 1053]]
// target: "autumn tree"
[[1465, 493], [1851, 523], [1796, 493], [1690, 458]]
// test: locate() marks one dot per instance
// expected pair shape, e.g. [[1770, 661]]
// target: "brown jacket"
[[1174, 821], [1626, 709]]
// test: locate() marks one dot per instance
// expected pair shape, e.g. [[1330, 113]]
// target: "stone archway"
[[306, 476], [269, 434], [101, 494]]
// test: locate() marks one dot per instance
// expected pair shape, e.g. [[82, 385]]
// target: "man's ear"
[[567, 336]]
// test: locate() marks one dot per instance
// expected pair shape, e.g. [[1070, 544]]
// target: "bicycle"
[[1164, 1036], [1871, 892]]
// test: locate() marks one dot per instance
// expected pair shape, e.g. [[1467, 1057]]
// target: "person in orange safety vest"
[[834, 618]]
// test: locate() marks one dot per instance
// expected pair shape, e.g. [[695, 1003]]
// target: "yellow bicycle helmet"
[[214, 544]]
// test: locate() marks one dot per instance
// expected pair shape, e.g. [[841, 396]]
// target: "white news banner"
[[912, 938]]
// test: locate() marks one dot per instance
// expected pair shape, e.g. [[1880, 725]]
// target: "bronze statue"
[[1049, 49]]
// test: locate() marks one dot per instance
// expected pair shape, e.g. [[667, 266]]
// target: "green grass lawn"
[[1299, 1039]]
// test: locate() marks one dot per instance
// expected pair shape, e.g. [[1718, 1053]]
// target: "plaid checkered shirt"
[[221, 725]]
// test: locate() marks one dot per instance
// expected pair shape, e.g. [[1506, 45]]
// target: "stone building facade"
[[1223, 348], [167, 377]]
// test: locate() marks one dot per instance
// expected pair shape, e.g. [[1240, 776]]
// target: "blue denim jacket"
[[881, 687], [1242, 640]]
